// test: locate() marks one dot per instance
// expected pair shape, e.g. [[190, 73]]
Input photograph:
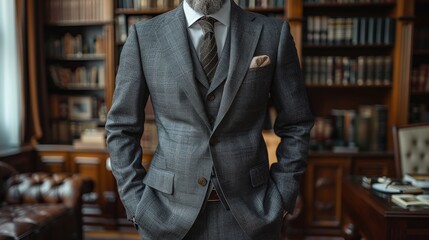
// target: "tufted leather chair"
[[40, 205], [411, 144]]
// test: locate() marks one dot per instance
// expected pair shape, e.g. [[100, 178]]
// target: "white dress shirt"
[[221, 27]]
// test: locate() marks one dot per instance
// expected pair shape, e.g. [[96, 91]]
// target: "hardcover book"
[[410, 200]]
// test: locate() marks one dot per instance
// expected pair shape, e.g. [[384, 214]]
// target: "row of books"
[[65, 131], [324, 30], [419, 112], [342, 71], [65, 11], [77, 108], [76, 46], [421, 38], [142, 4], [348, 1], [351, 130], [91, 138], [420, 79], [249, 4], [90, 77], [123, 22]]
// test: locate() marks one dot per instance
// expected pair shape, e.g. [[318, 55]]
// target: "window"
[[10, 86]]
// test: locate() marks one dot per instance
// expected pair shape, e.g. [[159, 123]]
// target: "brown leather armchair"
[[40, 205]]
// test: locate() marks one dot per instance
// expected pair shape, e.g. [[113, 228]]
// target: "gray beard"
[[206, 7]]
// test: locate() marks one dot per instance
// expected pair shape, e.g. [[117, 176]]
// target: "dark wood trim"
[[23, 158]]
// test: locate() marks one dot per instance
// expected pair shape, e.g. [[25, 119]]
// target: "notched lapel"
[[198, 69], [223, 66], [177, 39], [245, 32]]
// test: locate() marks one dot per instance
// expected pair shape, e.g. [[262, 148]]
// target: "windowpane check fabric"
[[208, 49]]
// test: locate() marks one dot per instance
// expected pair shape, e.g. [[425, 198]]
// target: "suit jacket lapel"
[[245, 32], [198, 69], [222, 68], [177, 40]]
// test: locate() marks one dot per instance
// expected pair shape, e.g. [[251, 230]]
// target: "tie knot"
[[207, 23]]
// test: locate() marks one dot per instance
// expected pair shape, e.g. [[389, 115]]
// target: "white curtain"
[[10, 83]]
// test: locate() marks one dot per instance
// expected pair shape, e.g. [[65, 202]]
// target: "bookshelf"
[[354, 56], [347, 52], [78, 58], [128, 12], [419, 79], [77, 74]]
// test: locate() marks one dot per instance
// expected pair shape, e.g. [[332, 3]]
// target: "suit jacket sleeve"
[[294, 120], [124, 126]]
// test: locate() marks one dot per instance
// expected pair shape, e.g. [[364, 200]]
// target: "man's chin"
[[206, 7]]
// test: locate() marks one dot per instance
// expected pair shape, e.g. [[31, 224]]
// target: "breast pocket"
[[254, 89], [258, 73]]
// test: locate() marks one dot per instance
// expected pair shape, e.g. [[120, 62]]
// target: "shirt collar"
[[223, 15]]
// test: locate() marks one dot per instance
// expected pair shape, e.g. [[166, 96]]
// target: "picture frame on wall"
[[80, 108]]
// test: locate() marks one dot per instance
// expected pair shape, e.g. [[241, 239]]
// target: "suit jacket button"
[[202, 181], [211, 119]]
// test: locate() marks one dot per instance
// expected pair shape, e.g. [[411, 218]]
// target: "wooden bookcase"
[[334, 39], [321, 208], [419, 79], [77, 70], [77, 66]]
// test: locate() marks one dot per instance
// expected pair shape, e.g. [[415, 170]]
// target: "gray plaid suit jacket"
[[166, 199]]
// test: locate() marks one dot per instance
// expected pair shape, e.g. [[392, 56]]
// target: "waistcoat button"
[[211, 97], [213, 141]]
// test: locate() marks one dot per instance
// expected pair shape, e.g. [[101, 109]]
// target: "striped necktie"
[[208, 49]]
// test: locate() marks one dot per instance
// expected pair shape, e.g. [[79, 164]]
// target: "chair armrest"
[[6, 171], [43, 187]]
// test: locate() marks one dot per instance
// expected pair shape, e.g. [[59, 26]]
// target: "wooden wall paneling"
[[294, 16], [90, 165], [383, 166], [54, 161], [323, 191], [398, 112], [23, 159]]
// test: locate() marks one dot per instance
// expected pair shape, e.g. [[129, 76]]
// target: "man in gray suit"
[[209, 177]]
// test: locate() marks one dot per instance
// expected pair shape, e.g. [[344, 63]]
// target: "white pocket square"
[[260, 61]]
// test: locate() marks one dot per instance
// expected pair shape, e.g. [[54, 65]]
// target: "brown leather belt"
[[213, 197]]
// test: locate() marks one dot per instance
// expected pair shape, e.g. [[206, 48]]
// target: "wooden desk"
[[374, 216]]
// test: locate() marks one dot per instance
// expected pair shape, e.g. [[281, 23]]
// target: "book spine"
[[338, 127], [379, 137]]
